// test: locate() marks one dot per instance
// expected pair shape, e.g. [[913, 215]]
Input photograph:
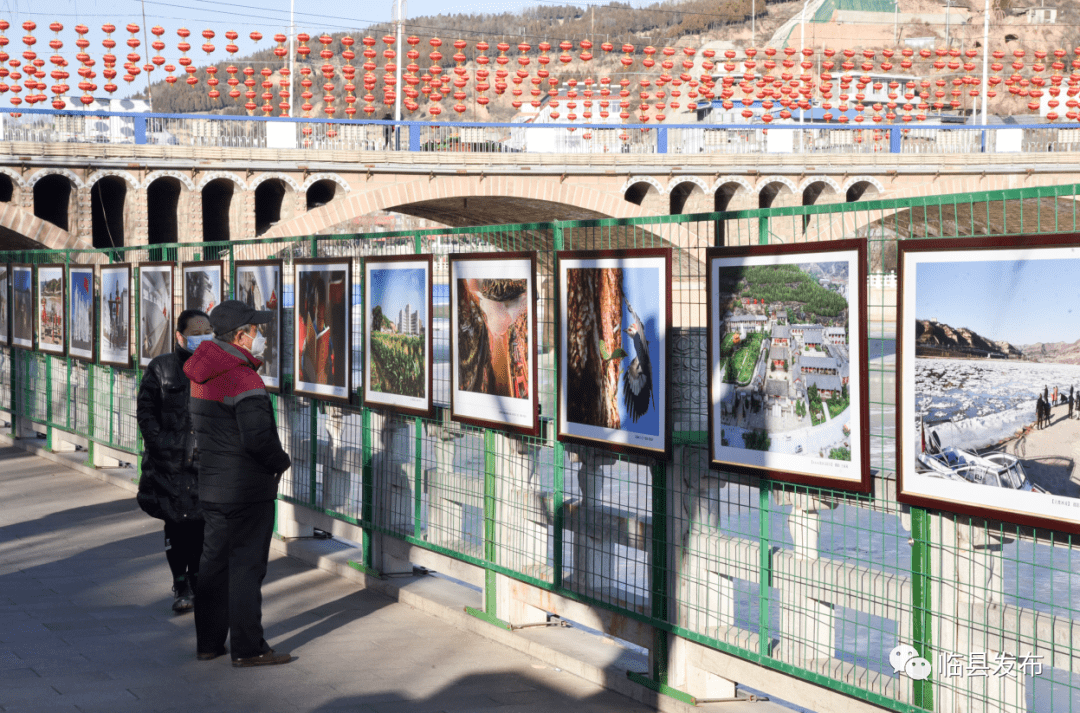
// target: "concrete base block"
[[288, 526], [513, 610]]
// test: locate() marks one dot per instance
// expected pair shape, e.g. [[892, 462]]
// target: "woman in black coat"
[[169, 486]]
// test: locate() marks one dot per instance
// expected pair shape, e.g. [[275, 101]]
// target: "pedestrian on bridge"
[[169, 485], [241, 463]]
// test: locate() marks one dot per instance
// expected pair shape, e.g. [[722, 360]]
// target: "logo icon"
[[900, 655], [918, 668]]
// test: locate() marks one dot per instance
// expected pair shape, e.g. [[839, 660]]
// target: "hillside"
[[1053, 352], [932, 337]]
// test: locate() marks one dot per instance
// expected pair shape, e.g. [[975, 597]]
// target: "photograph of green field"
[[398, 328], [739, 357], [397, 364]]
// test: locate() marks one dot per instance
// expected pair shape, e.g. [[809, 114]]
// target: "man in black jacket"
[[169, 485], [240, 463]]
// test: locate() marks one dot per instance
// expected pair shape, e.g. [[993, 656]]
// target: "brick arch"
[[850, 222], [820, 179], [766, 180], [316, 177], [547, 189], [724, 180], [642, 179], [674, 183], [864, 179], [14, 175], [187, 182], [51, 237], [287, 180], [214, 175], [105, 173], [57, 172]]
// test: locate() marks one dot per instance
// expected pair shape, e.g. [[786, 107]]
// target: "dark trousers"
[[183, 547], [236, 547]]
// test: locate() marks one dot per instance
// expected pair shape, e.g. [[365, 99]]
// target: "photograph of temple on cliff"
[[784, 382], [990, 404]]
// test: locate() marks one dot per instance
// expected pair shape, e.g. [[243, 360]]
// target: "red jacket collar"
[[215, 357]]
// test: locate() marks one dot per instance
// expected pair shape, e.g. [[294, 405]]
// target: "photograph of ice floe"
[[989, 383]]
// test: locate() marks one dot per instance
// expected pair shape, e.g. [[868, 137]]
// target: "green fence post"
[[558, 450], [418, 477], [921, 603], [313, 451], [763, 230], [764, 568], [491, 596], [91, 419], [48, 404]]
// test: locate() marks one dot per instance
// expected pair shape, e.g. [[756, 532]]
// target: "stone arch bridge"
[[86, 195]]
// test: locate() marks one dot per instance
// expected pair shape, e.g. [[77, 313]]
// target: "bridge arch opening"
[[320, 193], [859, 190], [774, 193], [687, 197], [54, 200], [7, 188], [107, 198], [814, 193], [162, 210], [217, 210], [723, 198], [646, 195], [273, 204]]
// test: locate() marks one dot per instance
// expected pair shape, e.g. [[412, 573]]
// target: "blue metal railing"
[[219, 130]]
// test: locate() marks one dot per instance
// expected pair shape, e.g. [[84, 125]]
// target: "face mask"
[[194, 342], [258, 345]]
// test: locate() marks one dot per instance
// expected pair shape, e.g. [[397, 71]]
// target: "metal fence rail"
[[812, 582], [227, 131]]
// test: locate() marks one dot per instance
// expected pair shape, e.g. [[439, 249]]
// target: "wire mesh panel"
[[819, 583]]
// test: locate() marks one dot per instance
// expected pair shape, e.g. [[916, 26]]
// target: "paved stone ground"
[[86, 625]]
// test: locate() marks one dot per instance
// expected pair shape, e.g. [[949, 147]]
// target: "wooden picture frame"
[[5, 304], [984, 331], [396, 378], [322, 333], [258, 283], [493, 369], [202, 284], [788, 378], [157, 318], [597, 368], [50, 308], [80, 312], [22, 305], [115, 322]]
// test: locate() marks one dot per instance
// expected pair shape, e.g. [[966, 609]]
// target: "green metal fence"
[[815, 583]]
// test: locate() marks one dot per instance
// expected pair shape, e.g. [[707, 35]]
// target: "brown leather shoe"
[[210, 655], [267, 658]]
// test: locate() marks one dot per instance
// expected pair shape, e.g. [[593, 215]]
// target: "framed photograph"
[[22, 306], [988, 384], [614, 312], [49, 313], [114, 327], [258, 284], [788, 396], [323, 331], [397, 334], [81, 312], [156, 319], [5, 304], [493, 341], [202, 285]]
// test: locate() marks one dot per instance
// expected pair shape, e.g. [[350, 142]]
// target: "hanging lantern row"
[[752, 73]]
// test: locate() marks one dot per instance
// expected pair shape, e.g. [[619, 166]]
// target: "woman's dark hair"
[[186, 316]]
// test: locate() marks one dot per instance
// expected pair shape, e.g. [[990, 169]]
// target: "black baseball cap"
[[233, 314]]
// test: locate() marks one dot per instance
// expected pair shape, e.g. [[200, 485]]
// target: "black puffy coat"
[[169, 486]]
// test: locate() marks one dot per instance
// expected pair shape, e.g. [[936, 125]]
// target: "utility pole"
[[292, 57], [986, 53], [753, 23], [399, 19], [149, 91]]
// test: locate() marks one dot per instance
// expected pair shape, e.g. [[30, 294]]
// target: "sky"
[[639, 284], [392, 289], [1020, 302]]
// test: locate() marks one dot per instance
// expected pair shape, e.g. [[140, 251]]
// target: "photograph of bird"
[[637, 379]]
